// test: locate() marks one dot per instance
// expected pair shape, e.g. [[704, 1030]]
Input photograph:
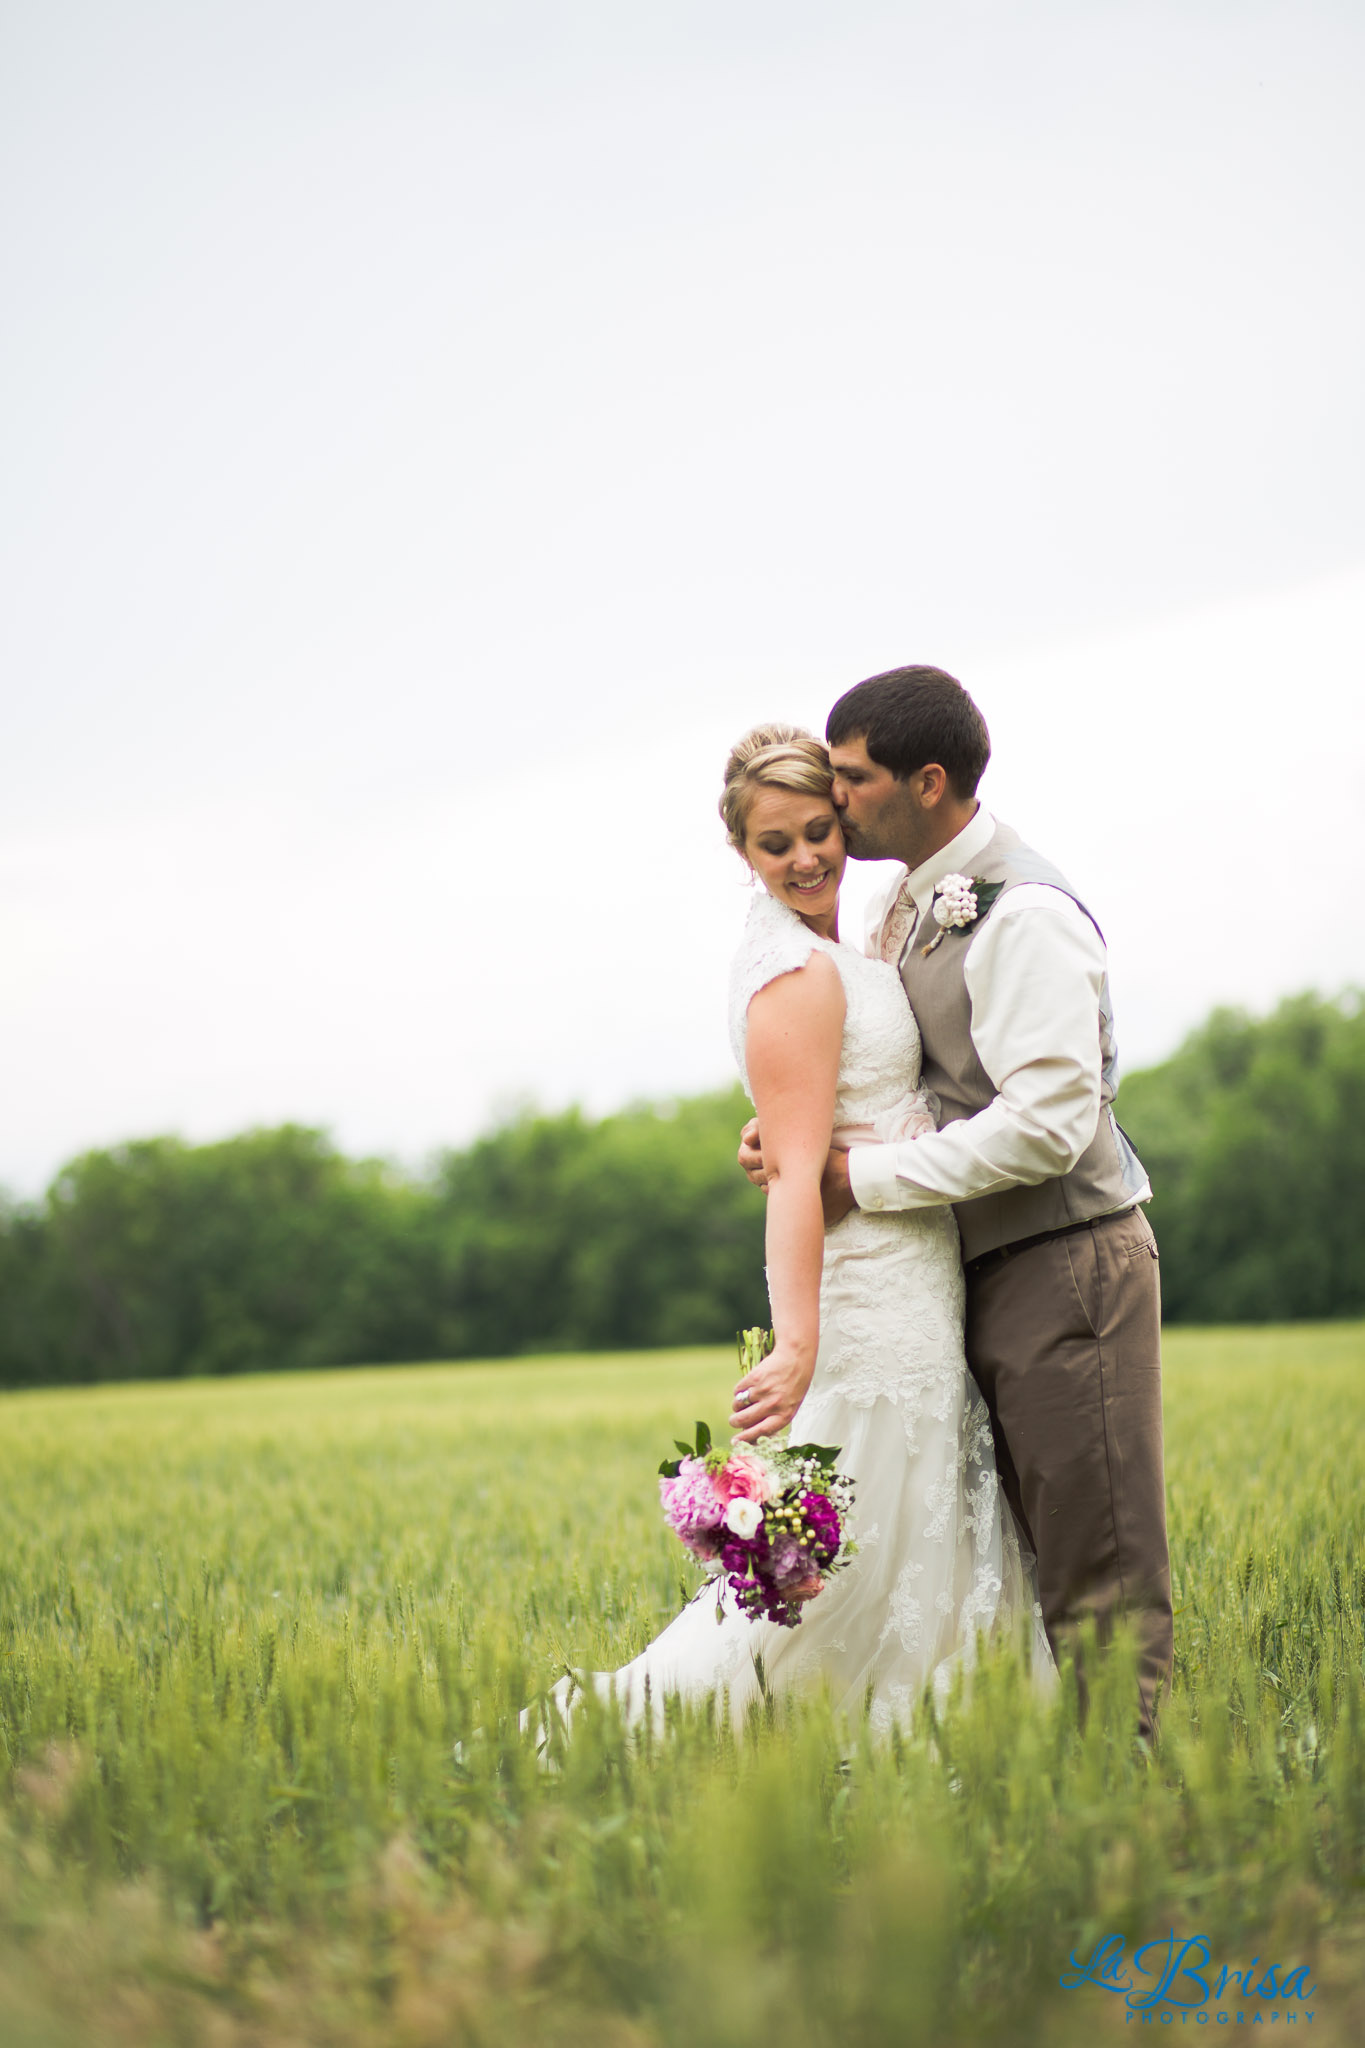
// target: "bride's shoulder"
[[775, 942], [773, 933]]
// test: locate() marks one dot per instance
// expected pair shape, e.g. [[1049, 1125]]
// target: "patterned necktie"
[[903, 918]]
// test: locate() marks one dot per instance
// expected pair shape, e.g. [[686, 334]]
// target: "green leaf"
[[703, 1439], [985, 893], [686, 1449], [670, 1468], [823, 1454]]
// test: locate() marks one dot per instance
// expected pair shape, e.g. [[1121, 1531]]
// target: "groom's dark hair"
[[911, 716]]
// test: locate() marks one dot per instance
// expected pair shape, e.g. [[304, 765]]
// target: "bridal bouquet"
[[771, 1520]]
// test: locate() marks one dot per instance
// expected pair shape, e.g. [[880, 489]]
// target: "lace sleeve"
[[775, 942]]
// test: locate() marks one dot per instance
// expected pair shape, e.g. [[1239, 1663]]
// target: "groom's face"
[[883, 819]]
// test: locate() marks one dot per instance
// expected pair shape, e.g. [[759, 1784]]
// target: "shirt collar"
[[953, 859]]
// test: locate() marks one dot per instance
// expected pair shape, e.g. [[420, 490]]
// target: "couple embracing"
[[964, 1287]]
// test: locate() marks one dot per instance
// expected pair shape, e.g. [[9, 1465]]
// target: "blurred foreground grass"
[[242, 1624]]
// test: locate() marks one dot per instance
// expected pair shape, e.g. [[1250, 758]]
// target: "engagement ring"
[[743, 1400]]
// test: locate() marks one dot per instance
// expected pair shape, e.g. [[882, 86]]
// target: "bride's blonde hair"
[[771, 757]]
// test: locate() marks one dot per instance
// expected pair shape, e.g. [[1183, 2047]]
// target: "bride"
[[867, 1315]]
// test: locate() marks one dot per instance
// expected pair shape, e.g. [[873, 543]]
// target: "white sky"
[[433, 432]]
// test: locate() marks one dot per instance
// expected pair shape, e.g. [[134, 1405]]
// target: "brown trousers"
[[1064, 1340]]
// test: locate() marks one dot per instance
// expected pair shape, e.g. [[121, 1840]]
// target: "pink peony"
[[745, 1476], [692, 1505]]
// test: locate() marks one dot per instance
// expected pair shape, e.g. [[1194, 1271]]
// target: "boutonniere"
[[958, 903]]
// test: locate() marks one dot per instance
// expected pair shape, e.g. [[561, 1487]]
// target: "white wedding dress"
[[939, 1555]]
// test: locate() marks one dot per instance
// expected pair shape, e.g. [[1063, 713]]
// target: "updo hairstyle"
[[771, 757]]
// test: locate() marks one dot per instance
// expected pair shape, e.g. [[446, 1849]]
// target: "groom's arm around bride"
[[1007, 979]]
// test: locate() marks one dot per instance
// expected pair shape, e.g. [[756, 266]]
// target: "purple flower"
[[739, 1553], [822, 1519], [791, 1562]]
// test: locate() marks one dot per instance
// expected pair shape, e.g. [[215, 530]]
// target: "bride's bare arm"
[[835, 1191], [795, 1030]]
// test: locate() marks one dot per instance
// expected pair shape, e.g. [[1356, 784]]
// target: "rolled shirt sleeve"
[[1034, 978]]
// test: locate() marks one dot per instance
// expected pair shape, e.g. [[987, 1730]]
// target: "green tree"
[[1254, 1137], [159, 1258], [559, 1233], [273, 1250]]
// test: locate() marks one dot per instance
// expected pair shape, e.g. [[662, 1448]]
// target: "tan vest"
[[1108, 1175]]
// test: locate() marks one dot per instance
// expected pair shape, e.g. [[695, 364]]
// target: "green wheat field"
[[243, 1625]]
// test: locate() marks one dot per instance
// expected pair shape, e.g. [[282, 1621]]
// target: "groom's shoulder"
[[1032, 881], [1013, 860]]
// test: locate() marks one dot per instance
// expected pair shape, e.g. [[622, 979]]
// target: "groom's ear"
[[932, 785]]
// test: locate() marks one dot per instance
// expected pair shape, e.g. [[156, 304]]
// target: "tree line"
[[273, 1250]]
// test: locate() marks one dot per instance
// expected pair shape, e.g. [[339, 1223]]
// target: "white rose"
[[742, 1517]]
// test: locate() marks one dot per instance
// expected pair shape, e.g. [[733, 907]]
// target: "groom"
[[1007, 980]]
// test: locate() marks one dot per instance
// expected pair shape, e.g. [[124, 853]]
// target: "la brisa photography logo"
[[1175, 1981]]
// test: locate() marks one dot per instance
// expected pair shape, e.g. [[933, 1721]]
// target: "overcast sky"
[[434, 432]]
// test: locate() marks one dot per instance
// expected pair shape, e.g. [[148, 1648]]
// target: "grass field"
[[242, 1624]]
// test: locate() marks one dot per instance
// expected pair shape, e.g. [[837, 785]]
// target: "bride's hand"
[[767, 1398], [751, 1155], [836, 1195]]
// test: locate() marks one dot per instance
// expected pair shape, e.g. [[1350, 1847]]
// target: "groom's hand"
[[836, 1195]]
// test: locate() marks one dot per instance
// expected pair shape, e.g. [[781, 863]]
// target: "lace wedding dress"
[[939, 1556]]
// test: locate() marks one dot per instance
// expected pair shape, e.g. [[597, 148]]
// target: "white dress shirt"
[[1034, 974]]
